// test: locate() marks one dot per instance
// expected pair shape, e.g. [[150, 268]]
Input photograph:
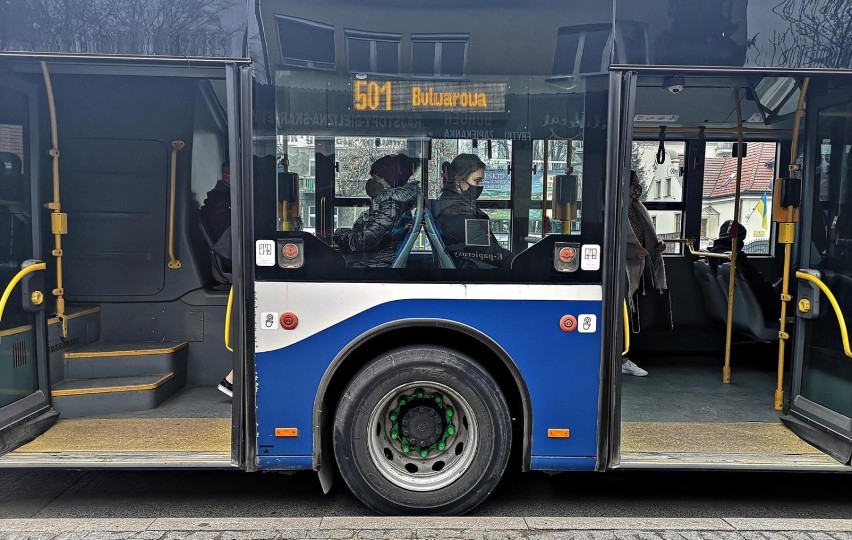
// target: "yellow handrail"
[[844, 334], [787, 235], [177, 146], [18, 277], [228, 320], [697, 252], [58, 219], [626, 331]]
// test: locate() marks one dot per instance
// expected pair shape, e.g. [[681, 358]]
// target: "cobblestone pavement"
[[494, 528]]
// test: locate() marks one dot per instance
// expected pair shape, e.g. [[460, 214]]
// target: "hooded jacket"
[[368, 243], [452, 210]]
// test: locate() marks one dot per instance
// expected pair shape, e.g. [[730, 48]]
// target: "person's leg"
[[227, 384]]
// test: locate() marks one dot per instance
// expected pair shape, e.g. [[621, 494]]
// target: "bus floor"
[[683, 415], [190, 429]]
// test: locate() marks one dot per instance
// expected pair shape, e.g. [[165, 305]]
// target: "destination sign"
[[428, 96]]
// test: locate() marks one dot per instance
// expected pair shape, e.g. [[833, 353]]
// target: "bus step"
[[108, 395], [102, 359]]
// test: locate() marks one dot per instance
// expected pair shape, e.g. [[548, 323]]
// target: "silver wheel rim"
[[410, 470]]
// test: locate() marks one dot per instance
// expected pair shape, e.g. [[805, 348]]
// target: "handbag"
[[652, 310]]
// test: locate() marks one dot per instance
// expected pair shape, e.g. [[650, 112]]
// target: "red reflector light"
[[566, 254]]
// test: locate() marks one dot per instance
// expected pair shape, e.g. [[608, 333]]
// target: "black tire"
[[472, 472]]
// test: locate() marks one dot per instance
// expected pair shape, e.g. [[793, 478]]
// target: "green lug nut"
[[442, 446], [438, 400], [424, 453], [405, 448], [402, 401], [393, 417], [451, 430], [449, 412]]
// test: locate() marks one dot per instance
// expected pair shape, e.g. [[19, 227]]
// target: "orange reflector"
[[558, 433], [286, 432]]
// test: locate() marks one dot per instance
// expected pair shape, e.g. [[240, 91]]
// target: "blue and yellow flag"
[[762, 207]]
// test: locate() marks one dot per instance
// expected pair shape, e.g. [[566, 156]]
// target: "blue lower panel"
[[561, 371], [285, 463], [556, 463]]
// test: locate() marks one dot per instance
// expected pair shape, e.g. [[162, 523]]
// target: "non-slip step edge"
[[126, 352], [113, 389]]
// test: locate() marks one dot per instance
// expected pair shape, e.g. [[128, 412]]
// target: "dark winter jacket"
[[452, 210], [216, 210], [368, 243]]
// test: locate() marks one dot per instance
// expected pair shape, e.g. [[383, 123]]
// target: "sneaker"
[[630, 368], [228, 389]]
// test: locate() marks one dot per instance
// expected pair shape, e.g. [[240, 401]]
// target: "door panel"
[[23, 374], [822, 387]]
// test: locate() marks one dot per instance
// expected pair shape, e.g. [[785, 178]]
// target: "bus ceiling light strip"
[[58, 220]]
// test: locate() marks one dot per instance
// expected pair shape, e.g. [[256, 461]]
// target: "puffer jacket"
[[368, 243], [452, 210]]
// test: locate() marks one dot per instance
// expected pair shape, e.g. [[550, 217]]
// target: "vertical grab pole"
[[546, 155], [177, 146], [787, 235], [726, 370], [58, 219]]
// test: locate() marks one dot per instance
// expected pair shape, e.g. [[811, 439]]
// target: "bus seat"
[[218, 264], [715, 302], [748, 316], [407, 244], [439, 249]]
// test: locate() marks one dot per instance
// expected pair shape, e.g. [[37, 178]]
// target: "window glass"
[[452, 58], [354, 156], [565, 174], [387, 57], [299, 151], [423, 57], [595, 56], [444, 87], [669, 225], [306, 43], [662, 182], [359, 55], [717, 205]]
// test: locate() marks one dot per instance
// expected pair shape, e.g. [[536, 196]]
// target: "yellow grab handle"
[[626, 331], [844, 334], [18, 277], [228, 320]]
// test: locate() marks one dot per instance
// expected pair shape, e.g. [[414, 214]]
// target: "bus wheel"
[[422, 430]]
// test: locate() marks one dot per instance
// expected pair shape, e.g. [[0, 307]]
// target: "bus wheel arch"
[[439, 333]]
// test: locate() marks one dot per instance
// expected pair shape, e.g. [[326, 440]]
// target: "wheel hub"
[[422, 426], [422, 422]]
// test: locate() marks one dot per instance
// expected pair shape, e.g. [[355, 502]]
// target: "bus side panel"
[[561, 369]]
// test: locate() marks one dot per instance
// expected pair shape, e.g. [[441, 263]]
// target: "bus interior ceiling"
[[138, 368], [683, 412]]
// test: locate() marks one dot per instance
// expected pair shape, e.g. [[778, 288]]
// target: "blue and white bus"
[[417, 384]]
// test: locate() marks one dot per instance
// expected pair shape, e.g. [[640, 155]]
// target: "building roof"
[[757, 175]]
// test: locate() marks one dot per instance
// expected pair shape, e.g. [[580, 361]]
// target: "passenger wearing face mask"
[[464, 227]]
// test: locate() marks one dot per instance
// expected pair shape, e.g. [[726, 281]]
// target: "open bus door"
[[24, 387], [821, 399]]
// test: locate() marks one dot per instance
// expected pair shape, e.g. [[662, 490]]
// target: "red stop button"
[[566, 254], [290, 251], [289, 321]]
